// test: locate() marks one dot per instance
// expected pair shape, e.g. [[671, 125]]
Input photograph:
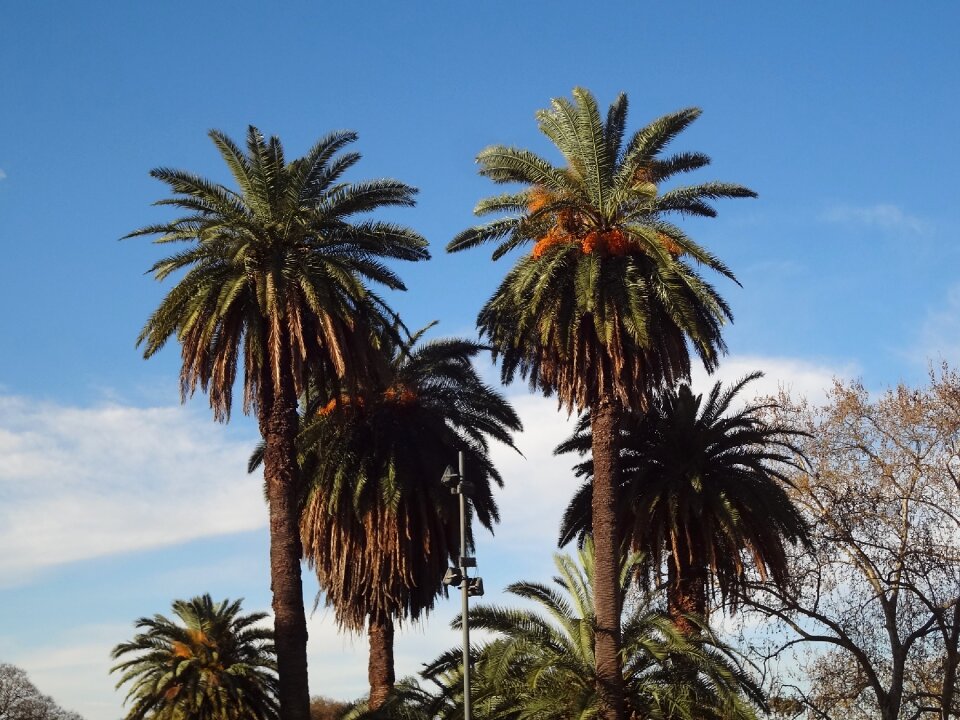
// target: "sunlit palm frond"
[[214, 664], [540, 661]]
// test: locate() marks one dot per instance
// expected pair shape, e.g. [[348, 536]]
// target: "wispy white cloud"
[[800, 378], [537, 484], [79, 483], [3, 175], [83, 482], [886, 217], [75, 671], [939, 334]]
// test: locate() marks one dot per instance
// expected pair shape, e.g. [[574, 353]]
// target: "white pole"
[[465, 609]]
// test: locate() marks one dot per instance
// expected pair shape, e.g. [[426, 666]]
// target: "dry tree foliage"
[[323, 708], [876, 606], [21, 700]]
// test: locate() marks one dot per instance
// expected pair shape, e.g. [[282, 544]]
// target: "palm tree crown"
[[604, 303], [275, 275], [217, 664], [378, 526], [701, 487]]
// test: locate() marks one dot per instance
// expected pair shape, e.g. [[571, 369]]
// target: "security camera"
[[450, 478], [453, 576]]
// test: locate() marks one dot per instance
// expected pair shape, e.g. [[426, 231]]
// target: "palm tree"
[[216, 664], [602, 309], [378, 526], [541, 662], [275, 280], [701, 490]]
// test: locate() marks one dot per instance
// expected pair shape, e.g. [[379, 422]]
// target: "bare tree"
[[21, 700], [875, 607]]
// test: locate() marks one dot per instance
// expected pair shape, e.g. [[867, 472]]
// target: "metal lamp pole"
[[465, 562], [458, 576]]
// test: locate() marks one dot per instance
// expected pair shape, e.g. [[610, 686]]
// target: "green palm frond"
[[606, 304], [288, 246], [504, 164], [539, 663], [648, 142], [615, 126], [508, 202], [214, 663]]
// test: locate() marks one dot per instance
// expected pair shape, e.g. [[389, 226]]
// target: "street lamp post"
[[458, 576]]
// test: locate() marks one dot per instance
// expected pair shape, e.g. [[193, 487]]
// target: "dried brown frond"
[[362, 559]]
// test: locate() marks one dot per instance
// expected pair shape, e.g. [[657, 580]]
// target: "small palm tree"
[[275, 280], [378, 527], [701, 491], [541, 663], [216, 664], [604, 308]]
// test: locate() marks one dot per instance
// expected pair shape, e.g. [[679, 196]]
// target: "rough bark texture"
[[380, 663], [606, 563], [279, 428], [951, 661], [687, 592]]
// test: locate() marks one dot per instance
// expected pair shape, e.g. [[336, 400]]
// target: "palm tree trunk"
[[380, 664], [279, 424], [606, 544], [686, 590], [686, 598]]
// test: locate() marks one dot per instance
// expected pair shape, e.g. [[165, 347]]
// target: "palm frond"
[[379, 528], [702, 478], [540, 661], [214, 663]]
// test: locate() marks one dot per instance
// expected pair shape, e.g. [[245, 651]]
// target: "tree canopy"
[[214, 664]]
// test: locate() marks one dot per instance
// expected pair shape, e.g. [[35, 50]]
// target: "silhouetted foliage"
[[702, 494]]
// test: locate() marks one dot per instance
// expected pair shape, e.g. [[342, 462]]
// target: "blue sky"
[[114, 500]]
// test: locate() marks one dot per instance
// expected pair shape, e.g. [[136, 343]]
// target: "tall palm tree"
[[378, 526], [275, 280], [602, 309], [701, 490], [541, 663], [215, 664]]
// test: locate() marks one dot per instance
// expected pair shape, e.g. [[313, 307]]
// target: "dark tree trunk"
[[606, 581], [951, 660], [380, 663], [686, 596], [686, 591], [279, 425]]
